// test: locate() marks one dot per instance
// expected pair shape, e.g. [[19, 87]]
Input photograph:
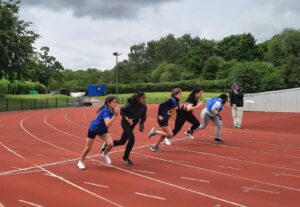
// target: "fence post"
[[56, 103], [46, 103], [6, 104], [21, 104], [34, 103]]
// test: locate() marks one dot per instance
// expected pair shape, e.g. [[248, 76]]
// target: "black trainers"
[[219, 141], [103, 148], [127, 161]]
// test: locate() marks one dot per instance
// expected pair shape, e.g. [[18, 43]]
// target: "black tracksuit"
[[136, 112], [184, 115]]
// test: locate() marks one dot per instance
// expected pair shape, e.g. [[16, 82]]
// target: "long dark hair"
[[224, 97], [108, 99], [193, 93], [134, 98]]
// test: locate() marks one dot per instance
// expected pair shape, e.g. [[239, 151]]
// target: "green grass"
[[159, 97], [36, 96]]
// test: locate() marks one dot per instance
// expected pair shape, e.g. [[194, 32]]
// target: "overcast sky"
[[83, 34]]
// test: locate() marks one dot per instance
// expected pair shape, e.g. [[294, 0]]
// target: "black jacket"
[[237, 99], [137, 112]]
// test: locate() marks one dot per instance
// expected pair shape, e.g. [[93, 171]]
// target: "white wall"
[[273, 101]]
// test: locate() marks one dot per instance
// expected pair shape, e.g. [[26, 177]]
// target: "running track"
[[258, 165]]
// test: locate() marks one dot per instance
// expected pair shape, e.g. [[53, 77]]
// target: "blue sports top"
[[168, 108], [98, 124], [211, 102]]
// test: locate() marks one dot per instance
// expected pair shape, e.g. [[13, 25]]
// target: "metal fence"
[[31, 104], [273, 101]]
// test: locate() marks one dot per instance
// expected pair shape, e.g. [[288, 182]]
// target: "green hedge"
[[20, 87], [206, 85]]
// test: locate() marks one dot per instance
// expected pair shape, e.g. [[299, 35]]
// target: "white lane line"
[[181, 161], [66, 118], [79, 187], [283, 174], [64, 132], [1, 205], [246, 190], [10, 150], [220, 173], [94, 184], [53, 145], [235, 159], [193, 179], [25, 172], [84, 115], [174, 185], [150, 196], [227, 167], [144, 171], [254, 158], [30, 203]]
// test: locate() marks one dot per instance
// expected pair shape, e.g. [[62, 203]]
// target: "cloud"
[[104, 9]]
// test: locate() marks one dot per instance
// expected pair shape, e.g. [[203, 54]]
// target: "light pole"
[[116, 74]]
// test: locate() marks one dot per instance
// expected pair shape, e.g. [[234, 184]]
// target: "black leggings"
[[126, 135], [183, 116]]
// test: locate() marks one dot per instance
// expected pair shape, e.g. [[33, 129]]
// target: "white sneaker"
[[107, 159], [81, 165], [168, 141], [152, 133], [190, 136]]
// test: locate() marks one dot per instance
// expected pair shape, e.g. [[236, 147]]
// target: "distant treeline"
[[159, 65]]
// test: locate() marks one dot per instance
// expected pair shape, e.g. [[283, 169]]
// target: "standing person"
[[185, 113], [133, 112], [99, 127], [165, 111], [212, 112], [236, 96]]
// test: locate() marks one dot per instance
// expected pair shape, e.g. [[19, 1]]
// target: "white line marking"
[[143, 171], [30, 203], [64, 132], [283, 174], [254, 158], [10, 150], [102, 186], [203, 181], [150, 196], [220, 173], [175, 186], [25, 172], [66, 118], [79, 187], [181, 161], [227, 167], [1, 205], [53, 145], [261, 190], [235, 159]]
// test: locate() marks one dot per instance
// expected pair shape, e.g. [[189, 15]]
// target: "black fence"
[[31, 104]]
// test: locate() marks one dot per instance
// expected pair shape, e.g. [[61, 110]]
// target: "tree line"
[[269, 65]]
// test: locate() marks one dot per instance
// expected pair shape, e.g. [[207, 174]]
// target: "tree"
[[240, 47], [15, 41]]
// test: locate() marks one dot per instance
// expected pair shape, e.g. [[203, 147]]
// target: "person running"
[[212, 112], [165, 111], [185, 113], [133, 112], [106, 116]]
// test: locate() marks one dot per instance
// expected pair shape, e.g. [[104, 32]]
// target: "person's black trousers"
[[181, 118], [126, 135]]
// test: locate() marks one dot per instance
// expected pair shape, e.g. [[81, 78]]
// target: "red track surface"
[[258, 165]]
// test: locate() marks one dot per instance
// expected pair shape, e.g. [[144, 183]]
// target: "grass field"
[[159, 97]]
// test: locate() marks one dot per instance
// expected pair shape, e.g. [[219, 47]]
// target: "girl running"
[[165, 111], [185, 113], [99, 127], [133, 112], [212, 112]]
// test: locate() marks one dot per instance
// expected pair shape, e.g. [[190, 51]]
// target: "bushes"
[[206, 85], [20, 87]]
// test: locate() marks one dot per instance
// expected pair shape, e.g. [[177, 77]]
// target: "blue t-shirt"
[[211, 102], [168, 108], [98, 124]]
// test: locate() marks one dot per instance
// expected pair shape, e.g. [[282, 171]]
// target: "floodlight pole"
[[116, 72]]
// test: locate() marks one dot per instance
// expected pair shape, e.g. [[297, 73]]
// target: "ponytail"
[[108, 99]]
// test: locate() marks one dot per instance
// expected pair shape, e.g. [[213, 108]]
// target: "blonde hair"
[[175, 91]]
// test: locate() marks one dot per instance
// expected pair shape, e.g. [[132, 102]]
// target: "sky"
[[84, 34]]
